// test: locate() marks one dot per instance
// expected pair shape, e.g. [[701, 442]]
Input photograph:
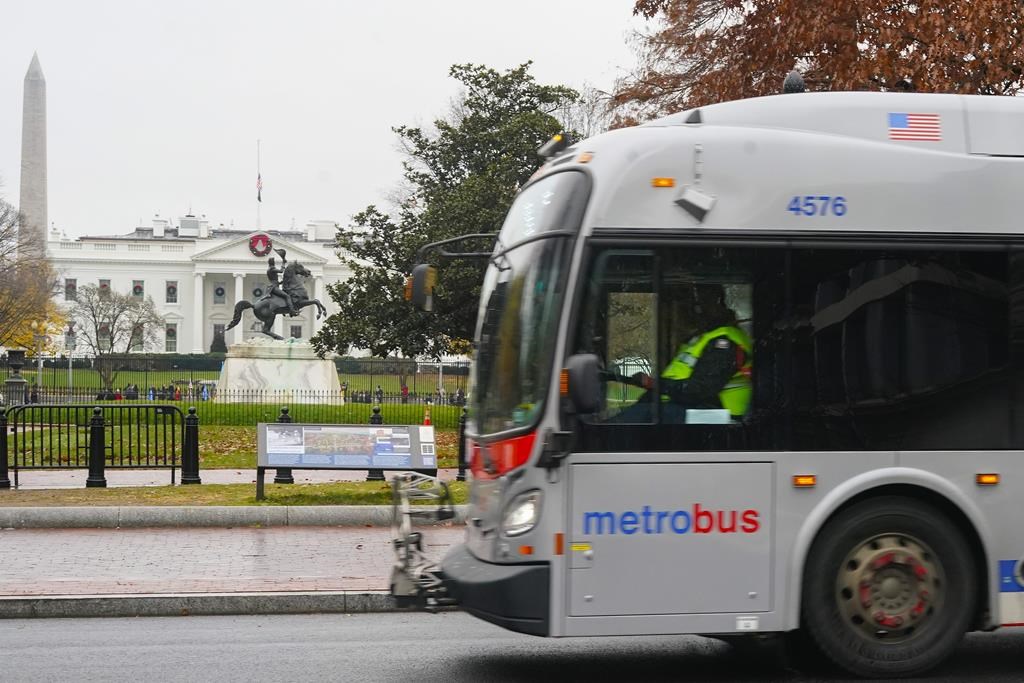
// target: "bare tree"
[[27, 281], [589, 115], [108, 324]]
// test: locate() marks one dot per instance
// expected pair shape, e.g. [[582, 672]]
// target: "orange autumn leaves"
[[698, 52]]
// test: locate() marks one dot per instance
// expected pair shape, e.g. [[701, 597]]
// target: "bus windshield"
[[520, 304]]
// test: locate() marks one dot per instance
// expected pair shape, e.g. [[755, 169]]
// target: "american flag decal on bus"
[[917, 127]]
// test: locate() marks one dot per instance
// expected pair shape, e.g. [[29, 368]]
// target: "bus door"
[[668, 514]]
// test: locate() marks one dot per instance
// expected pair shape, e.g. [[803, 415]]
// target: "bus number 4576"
[[817, 205]]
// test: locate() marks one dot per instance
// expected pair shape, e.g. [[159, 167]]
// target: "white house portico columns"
[[239, 331], [198, 315]]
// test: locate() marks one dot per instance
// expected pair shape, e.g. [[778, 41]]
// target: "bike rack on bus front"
[[415, 578]]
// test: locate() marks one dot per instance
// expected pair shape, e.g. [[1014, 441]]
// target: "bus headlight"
[[521, 513]]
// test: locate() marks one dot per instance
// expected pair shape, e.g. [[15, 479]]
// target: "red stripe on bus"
[[502, 456]]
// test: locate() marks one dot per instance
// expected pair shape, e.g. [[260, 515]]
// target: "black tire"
[[895, 552]]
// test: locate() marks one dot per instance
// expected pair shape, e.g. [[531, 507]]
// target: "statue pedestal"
[[268, 369]]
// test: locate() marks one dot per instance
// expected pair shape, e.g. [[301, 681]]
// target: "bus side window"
[[619, 324], [706, 371], [631, 347]]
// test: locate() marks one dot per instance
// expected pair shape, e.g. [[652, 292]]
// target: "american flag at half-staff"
[[915, 127], [259, 188]]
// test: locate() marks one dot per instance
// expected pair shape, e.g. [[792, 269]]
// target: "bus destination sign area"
[[397, 447]]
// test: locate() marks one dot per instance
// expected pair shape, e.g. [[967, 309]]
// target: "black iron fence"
[[61, 436]]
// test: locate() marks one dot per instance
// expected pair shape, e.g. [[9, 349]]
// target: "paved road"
[[449, 647]]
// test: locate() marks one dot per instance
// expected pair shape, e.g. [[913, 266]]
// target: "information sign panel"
[[358, 447]]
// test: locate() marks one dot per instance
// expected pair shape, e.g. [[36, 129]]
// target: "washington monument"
[[33, 149]]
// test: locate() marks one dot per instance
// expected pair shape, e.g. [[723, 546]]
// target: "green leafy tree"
[[459, 178]]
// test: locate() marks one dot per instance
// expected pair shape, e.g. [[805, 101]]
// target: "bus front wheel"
[[889, 588]]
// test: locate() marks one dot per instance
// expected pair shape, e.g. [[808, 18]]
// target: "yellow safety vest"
[[736, 395]]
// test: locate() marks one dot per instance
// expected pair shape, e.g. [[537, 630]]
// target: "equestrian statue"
[[285, 295]]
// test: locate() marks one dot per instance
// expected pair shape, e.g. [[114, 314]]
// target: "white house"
[[195, 274]]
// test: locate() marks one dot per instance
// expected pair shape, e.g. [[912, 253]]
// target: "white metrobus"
[[870, 494]]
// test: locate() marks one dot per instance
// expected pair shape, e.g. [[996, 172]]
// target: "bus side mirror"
[[419, 287], [581, 382]]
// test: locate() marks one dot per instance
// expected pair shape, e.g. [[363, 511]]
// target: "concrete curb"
[[189, 604], [203, 516]]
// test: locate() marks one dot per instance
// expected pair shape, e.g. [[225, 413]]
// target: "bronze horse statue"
[[270, 305]]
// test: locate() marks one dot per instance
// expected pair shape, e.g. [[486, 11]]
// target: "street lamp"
[[39, 336], [69, 346]]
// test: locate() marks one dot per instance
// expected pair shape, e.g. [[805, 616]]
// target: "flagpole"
[[259, 188]]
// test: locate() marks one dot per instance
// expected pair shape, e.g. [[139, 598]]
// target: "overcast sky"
[[155, 107]]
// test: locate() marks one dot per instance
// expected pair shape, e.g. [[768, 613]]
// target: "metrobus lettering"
[[699, 520]]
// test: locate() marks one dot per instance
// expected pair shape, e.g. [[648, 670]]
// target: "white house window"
[[70, 289], [219, 291], [103, 337], [171, 338], [104, 287], [138, 289], [296, 331], [136, 340], [172, 292]]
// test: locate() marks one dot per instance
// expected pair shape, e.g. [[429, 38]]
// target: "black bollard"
[[376, 474], [461, 476], [5, 482], [283, 475], [190, 449], [97, 451]]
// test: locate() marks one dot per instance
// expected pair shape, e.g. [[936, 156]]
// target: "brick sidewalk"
[[43, 562]]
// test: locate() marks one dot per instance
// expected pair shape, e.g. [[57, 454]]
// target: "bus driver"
[[713, 367]]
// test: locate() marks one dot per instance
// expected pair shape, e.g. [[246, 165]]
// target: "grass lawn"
[[341, 493], [235, 447]]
